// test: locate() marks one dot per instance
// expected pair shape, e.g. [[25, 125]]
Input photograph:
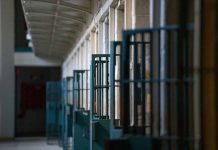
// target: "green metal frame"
[[81, 113], [68, 112], [99, 102], [140, 121], [177, 81], [53, 98], [115, 128]]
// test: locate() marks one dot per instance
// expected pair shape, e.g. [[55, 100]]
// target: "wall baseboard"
[[6, 139]]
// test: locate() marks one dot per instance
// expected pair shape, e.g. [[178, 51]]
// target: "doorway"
[[30, 110]]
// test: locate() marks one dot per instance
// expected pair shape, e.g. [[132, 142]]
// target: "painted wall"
[[6, 68], [88, 41], [29, 59], [8, 60]]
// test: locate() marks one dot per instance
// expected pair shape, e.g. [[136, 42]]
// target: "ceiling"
[[55, 25]]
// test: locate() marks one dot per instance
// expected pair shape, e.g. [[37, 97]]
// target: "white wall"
[[7, 68], [29, 59]]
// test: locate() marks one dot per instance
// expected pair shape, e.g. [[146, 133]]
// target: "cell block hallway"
[[108, 75]]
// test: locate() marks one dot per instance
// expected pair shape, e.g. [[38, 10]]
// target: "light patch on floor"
[[28, 144]]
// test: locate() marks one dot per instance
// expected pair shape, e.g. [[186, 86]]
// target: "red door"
[[32, 96]]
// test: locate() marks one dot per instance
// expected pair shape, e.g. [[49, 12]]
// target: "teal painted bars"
[[53, 98]]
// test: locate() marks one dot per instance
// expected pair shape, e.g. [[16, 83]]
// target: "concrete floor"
[[28, 144]]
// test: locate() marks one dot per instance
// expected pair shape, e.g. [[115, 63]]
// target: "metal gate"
[[68, 112], [53, 98], [115, 126], [99, 109], [81, 112], [156, 88]]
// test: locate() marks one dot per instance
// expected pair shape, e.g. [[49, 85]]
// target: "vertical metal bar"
[[73, 107], [143, 77], [78, 89], [107, 84], [93, 88], [135, 99], [151, 84], [99, 89], [187, 100], [172, 90], [73, 86], [87, 92], [176, 70], [92, 100], [184, 16], [179, 90], [66, 115], [168, 86], [159, 71], [65, 112], [102, 88], [97, 93], [96, 90], [125, 102], [112, 86], [196, 73], [82, 89]]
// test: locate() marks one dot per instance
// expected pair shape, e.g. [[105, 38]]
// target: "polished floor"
[[28, 144]]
